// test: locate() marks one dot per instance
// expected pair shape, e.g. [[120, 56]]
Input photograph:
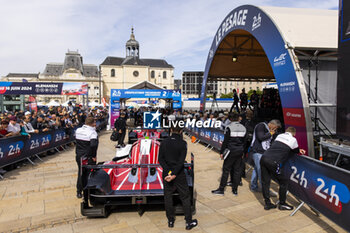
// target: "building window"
[[164, 74], [112, 73], [152, 74], [96, 89], [136, 73]]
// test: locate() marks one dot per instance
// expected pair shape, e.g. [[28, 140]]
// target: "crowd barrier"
[[324, 187], [15, 149]]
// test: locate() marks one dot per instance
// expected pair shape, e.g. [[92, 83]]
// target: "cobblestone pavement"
[[41, 198]]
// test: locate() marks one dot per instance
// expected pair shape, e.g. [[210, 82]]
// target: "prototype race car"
[[133, 179], [137, 133]]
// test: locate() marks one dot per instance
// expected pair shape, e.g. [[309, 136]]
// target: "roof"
[[146, 85], [306, 28], [118, 61], [113, 61], [23, 75], [56, 69], [133, 61]]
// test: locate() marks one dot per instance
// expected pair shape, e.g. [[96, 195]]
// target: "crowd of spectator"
[[46, 119]]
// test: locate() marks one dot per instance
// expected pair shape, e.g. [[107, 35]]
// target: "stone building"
[[131, 70], [71, 70]]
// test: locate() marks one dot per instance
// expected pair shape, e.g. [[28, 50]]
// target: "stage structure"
[[264, 44]]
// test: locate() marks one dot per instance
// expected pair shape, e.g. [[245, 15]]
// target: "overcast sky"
[[36, 32]]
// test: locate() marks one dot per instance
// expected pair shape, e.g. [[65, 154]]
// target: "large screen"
[[343, 90]]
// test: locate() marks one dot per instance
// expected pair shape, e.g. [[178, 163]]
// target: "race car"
[[137, 133], [135, 179]]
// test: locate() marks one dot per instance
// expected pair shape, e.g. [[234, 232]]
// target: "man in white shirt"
[[272, 163], [28, 126], [13, 128]]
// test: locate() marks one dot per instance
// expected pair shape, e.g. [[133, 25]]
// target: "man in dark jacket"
[[262, 138], [172, 155], [120, 127], [272, 164], [235, 101], [234, 141], [86, 148]]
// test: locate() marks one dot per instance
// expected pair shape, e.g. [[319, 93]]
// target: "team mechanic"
[[87, 143]]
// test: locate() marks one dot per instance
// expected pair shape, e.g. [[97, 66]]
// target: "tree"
[[227, 96], [250, 92]]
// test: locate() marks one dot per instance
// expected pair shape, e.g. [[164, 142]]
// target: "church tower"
[[132, 46]]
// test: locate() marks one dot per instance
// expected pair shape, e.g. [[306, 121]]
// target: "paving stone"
[[58, 229], [15, 225], [225, 227], [42, 198]]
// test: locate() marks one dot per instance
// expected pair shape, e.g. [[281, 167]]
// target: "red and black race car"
[[134, 179], [138, 133]]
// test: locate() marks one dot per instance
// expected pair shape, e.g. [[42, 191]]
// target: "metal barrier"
[[18, 148], [322, 186]]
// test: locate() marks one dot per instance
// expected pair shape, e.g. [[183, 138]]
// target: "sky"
[[36, 32]]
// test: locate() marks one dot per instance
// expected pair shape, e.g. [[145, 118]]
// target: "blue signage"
[[151, 120]]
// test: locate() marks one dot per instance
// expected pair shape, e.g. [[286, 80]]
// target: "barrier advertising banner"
[[17, 148], [39, 88], [322, 186]]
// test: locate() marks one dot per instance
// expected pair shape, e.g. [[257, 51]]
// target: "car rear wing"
[[111, 166]]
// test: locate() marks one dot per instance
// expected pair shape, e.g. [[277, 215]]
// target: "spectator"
[[3, 128], [13, 128], [28, 126]]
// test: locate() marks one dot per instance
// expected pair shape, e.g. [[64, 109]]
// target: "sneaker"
[[285, 206], [234, 191], [229, 183], [79, 195], [269, 206], [171, 223], [218, 192], [191, 224]]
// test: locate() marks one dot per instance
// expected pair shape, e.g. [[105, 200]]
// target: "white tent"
[[41, 104], [132, 104], [93, 104], [53, 103], [65, 104]]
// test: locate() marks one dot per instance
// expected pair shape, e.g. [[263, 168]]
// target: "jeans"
[[256, 172]]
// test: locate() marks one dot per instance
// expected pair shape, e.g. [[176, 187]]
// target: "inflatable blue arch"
[[276, 59]]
